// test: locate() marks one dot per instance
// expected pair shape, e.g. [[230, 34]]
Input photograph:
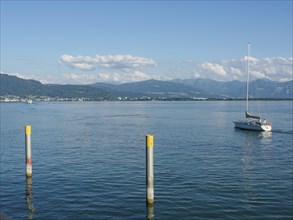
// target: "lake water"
[[89, 161]]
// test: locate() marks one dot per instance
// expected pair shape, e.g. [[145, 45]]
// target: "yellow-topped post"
[[150, 140], [28, 129], [150, 168], [28, 151]]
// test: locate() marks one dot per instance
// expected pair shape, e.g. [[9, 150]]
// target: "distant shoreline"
[[143, 100]]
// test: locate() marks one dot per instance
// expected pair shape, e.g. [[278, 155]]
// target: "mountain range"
[[14, 86], [152, 89], [203, 88]]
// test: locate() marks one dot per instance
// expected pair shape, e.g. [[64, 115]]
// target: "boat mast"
[[248, 57]]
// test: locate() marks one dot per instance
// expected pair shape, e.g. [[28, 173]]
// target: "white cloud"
[[235, 71], [121, 77], [214, 67], [276, 68], [82, 66], [196, 74], [252, 60], [114, 70], [109, 61], [257, 75]]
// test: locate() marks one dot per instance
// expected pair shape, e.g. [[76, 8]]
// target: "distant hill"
[[12, 85], [205, 88], [261, 88], [270, 89], [226, 89], [155, 89]]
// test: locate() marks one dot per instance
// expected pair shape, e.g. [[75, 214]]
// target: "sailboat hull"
[[252, 125]]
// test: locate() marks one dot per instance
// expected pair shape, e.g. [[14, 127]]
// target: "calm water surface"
[[89, 161]]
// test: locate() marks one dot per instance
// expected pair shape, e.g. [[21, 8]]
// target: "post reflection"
[[150, 212], [29, 198]]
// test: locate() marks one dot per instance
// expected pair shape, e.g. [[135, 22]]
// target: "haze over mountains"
[[154, 89]]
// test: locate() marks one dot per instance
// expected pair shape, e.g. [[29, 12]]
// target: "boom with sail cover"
[[248, 115]]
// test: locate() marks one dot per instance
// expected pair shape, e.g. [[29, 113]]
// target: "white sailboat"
[[252, 122]]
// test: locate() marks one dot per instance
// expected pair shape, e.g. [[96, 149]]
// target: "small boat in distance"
[[29, 101], [252, 122]]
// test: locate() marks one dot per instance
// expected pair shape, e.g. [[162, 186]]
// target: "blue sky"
[[84, 42]]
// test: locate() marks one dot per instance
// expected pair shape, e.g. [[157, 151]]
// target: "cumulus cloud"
[[109, 61], [215, 68], [116, 77], [276, 68], [127, 68]]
